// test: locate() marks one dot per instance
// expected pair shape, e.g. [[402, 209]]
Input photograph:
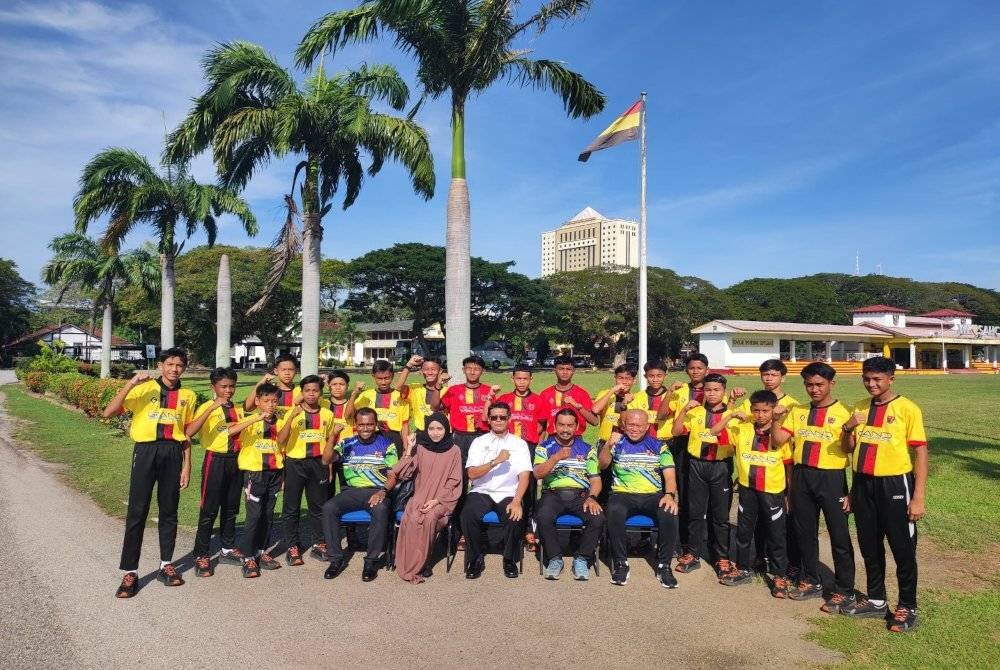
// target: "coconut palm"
[[223, 315], [81, 262], [462, 47], [253, 110], [122, 184]]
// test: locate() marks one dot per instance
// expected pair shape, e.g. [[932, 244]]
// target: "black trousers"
[[353, 499], [261, 493], [311, 476], [791, 541], [709, 494], [623, 505], [476, 506], [221, 485], [153, 463], [755, 506], [464, 441], [880, 507], [814, 491], [678, 449], [556, 502]]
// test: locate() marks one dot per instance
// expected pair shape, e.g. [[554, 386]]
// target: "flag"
[[624, 128]]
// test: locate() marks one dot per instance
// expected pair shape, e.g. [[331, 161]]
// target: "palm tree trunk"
[[223, 314], [312, 235], [458, 271], [106, 343], [167, 285]]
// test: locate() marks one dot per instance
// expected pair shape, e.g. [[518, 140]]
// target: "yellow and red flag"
[[624, 128]]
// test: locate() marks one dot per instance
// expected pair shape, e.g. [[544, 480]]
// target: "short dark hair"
[[656, 364], [382, 366], [173, 352], [879, 365], [311, 379], [714, 377], [563, 360], [696, 357], [523, 367], [625, 368], [366, 411], [820, 369], [218, 374], [286, 358], [499, 405], [774, 365], [267, 388], [339, 374], [764, 396], [432, 359], [566, 411], [475, 360]]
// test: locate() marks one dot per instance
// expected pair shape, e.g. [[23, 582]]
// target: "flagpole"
[[642, 242]]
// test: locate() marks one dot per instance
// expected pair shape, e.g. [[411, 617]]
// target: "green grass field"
[[959, 628]]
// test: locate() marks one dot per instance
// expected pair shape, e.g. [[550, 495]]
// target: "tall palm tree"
[[223, 315], [252, 110], [82, 262], [462, 47], [122, 184]]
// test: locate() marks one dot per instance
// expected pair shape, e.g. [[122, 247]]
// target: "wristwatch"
[[672, 494], [592, 496], [851, 429]]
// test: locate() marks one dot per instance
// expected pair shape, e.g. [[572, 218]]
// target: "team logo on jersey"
[[831, 420], [890, 419]]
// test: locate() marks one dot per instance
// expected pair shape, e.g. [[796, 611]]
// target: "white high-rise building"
[[591, 240]]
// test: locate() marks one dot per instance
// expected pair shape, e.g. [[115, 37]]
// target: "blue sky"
[[783, 137]]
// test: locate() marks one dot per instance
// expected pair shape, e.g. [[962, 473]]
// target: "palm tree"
[[223, 315], [462, 47], [252, 110], [80, 261], [122, 184]]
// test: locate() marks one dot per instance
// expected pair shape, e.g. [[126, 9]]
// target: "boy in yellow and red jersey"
[[761, 472], [262, 461], [282, 377], [162, 457], [887, 494], [819, 483], [221, 479], [422, 397], [564, 393], [709, 479], [654, 397], [303, 433], [392, 409], [464, 404]]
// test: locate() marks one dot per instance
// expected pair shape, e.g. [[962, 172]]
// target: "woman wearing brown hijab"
[[435, 467]]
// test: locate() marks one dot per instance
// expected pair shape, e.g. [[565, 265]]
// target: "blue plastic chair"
[[640, 523], [571, 522]]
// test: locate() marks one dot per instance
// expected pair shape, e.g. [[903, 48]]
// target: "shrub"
[[48, 360], [22, 368], [88, 369], [122, 370], [95, 394], [36, 381]]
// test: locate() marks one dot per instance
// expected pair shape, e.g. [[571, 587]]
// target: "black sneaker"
[[203, 566], [736, 577], [251, 569], [318, 552], [903, 620], [510, 570], [370, 572], [806, 591], [864, 609], [619, 573], [294, 556], [475, 570], [335, 568], [129, 585], [666, 576], [834, 603], [233, 557], [267, 562], [168, 575]]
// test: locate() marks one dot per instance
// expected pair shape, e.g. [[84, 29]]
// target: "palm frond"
[[379, 82], [287, 245], [554, 10], [579, 96]]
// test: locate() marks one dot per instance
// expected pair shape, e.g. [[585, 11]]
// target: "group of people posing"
[[426, 455]]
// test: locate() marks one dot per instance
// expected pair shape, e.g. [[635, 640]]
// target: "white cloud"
[[86, 20]]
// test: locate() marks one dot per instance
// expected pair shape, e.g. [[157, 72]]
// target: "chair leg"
[[449, 552], [597, 559]]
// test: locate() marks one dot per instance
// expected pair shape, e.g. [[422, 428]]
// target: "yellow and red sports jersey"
[[685, 394], [815, 434], [759, 466], [650, 401], [393, 410], [259, 448], [287, 399], [698, 424], [337, 409], [883, 442], [418, 396], [612, 414], [465, 407], [214, 434], [785, 401], [528, 414], [158, 412], [556, 400], [308, 433]]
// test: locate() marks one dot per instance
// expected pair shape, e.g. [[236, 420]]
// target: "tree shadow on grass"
[[952, 448]]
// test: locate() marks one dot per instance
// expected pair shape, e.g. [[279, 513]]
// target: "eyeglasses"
[[498, 417]]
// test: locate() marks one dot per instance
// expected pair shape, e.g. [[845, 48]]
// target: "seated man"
[[367, 457], [571, 482], [637, 460], [498, 467]]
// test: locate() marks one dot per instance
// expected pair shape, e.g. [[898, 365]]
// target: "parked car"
[[583, 361], [549, 362], [494, 354]]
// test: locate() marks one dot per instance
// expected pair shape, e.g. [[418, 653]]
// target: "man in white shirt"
[[499, 466]]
